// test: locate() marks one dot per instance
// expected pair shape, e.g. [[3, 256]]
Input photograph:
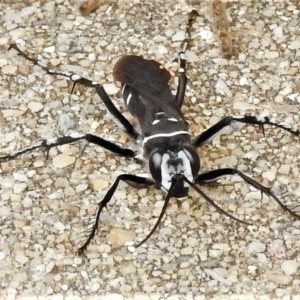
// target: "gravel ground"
[[197, 253]]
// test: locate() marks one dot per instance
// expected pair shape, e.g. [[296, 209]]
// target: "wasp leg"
[[182, 78], [118, 118], [137, 180], [214, 175], [208, 134], [53, 142]]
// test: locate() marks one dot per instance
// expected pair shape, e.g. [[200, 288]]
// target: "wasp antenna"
[[211, 202], [164, 208]]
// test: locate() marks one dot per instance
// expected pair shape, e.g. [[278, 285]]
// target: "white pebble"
[[29, 10], [12, 112], [123, 25], [222, 88], [59, 226], [270, 175], [4, 40], [191, 56], [206, 35], [294, 45], [17, 33], [20, 177], [99, 184], [278, 32], [217, 277], [281, 279], [50, 49], [27, 202], [65, 123], [142, 296], [290, 267], [5, 211], [261, 258], [113, 297], [49, 267], [95, 125], [9, 70], [222, 246], [256, 247], [244, 81], [284, 169], [35, 106], [81, 187], [271, 54], [110, 88], [63, 160], [178, 36], [277, 248], [2, 255], [19, 187], [285, 91], [21, 258], [57, 297], [7, 183], [162, 49]]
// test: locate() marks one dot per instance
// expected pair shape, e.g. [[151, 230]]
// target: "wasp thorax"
[[177, 163]]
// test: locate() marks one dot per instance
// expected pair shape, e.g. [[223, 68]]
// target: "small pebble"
[[290, 267], [294, 45], [256, 247], [271, 54], [21, 258], [50, 49], [9, 70], [279, 278], [35, 106], [63, 160]]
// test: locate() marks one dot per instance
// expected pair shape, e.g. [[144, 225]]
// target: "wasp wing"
[[150, 81]]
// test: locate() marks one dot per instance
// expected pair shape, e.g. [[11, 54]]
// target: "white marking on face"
[[154, 136], [166, 179], [75, 77], [186, 166], [160, 113], [128, 99], [189, 155], [168, 171], [181, 70]]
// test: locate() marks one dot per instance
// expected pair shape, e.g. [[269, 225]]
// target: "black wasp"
[[171, 153]]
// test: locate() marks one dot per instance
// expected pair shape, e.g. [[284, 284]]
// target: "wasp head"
[[176, 163]]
